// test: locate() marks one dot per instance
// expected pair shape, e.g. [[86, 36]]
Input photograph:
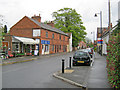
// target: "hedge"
[[113, 61]]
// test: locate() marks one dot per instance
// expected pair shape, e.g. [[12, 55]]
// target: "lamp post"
[[100, 28], [93, 33]]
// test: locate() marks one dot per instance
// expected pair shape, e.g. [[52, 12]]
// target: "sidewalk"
[[26, 58], [91, 77]]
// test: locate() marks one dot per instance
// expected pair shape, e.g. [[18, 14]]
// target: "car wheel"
[[74, 64], [89, 64]]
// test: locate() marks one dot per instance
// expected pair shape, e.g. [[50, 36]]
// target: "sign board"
[[45, 42], [99, 41], [36, 32]]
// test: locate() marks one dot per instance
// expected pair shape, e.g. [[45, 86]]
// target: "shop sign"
[[99, 41], [45, 42], [36, 32]]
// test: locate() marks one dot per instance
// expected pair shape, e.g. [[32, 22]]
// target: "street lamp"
[[100, 28], [93, 36]]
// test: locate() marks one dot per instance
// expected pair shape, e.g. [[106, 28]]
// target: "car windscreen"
[[79, 53], [88, 50]]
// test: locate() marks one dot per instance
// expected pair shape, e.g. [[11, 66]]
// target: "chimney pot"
[[37, 18]]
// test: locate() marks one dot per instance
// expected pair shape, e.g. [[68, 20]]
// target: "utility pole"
[[109, 18]]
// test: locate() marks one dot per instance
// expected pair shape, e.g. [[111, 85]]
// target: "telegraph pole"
[[109, 18]]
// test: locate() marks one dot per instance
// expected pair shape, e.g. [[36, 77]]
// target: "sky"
[[14, 10]]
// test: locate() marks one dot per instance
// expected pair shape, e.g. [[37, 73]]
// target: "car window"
[[80, 53], [88, 50]]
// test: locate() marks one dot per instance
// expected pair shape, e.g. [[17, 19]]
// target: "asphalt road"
[[35, 74]]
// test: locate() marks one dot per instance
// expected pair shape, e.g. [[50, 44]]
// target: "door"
[[42, 48]]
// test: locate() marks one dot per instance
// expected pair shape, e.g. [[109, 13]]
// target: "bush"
[[113, 62]]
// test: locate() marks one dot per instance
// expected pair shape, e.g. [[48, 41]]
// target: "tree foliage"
[[68, 20]]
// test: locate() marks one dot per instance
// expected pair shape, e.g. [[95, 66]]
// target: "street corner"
[[68, 71]]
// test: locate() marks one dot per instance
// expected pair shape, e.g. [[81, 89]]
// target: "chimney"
[[37, 18], [51, 23]]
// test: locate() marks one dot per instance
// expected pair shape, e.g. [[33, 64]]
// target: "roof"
[[48, 27], [107, 33]]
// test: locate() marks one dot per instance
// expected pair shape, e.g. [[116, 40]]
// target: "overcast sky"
[[14, 10]]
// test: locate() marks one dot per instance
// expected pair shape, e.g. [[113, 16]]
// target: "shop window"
[[47, 34], [15, 47], [46, 48]]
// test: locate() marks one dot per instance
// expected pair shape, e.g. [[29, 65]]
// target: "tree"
[[5, 29], [68, 20]]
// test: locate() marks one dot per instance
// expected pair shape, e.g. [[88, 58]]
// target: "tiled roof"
[[48, 27]]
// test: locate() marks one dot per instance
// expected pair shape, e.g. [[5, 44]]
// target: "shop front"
[[45, 46], [23, 46]]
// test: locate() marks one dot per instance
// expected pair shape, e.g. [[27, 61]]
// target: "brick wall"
[[8, 38], [23, 28], [56, 41]]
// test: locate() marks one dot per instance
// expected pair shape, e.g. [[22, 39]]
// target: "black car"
[[81, 57], [90, 51]]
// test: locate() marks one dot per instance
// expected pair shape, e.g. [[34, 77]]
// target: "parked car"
[[90, 51], [81, 57]]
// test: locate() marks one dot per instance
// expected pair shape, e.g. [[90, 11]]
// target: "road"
[[35, 74]]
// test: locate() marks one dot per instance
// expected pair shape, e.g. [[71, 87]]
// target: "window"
[[46, 48], [47, 34], [15, 46], [53, 35], [52, 47], [80, 53], [60, 47], [60, 37]]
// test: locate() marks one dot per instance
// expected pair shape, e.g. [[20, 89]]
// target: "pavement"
[[86, 77], [22, 59]]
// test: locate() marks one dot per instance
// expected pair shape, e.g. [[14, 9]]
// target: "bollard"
[[63, 65], [70, 63]]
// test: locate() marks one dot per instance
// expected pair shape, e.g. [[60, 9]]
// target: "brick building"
[[104, 30], [30, 35]]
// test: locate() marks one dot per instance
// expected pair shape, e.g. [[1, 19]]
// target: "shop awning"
[[26, 40]]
